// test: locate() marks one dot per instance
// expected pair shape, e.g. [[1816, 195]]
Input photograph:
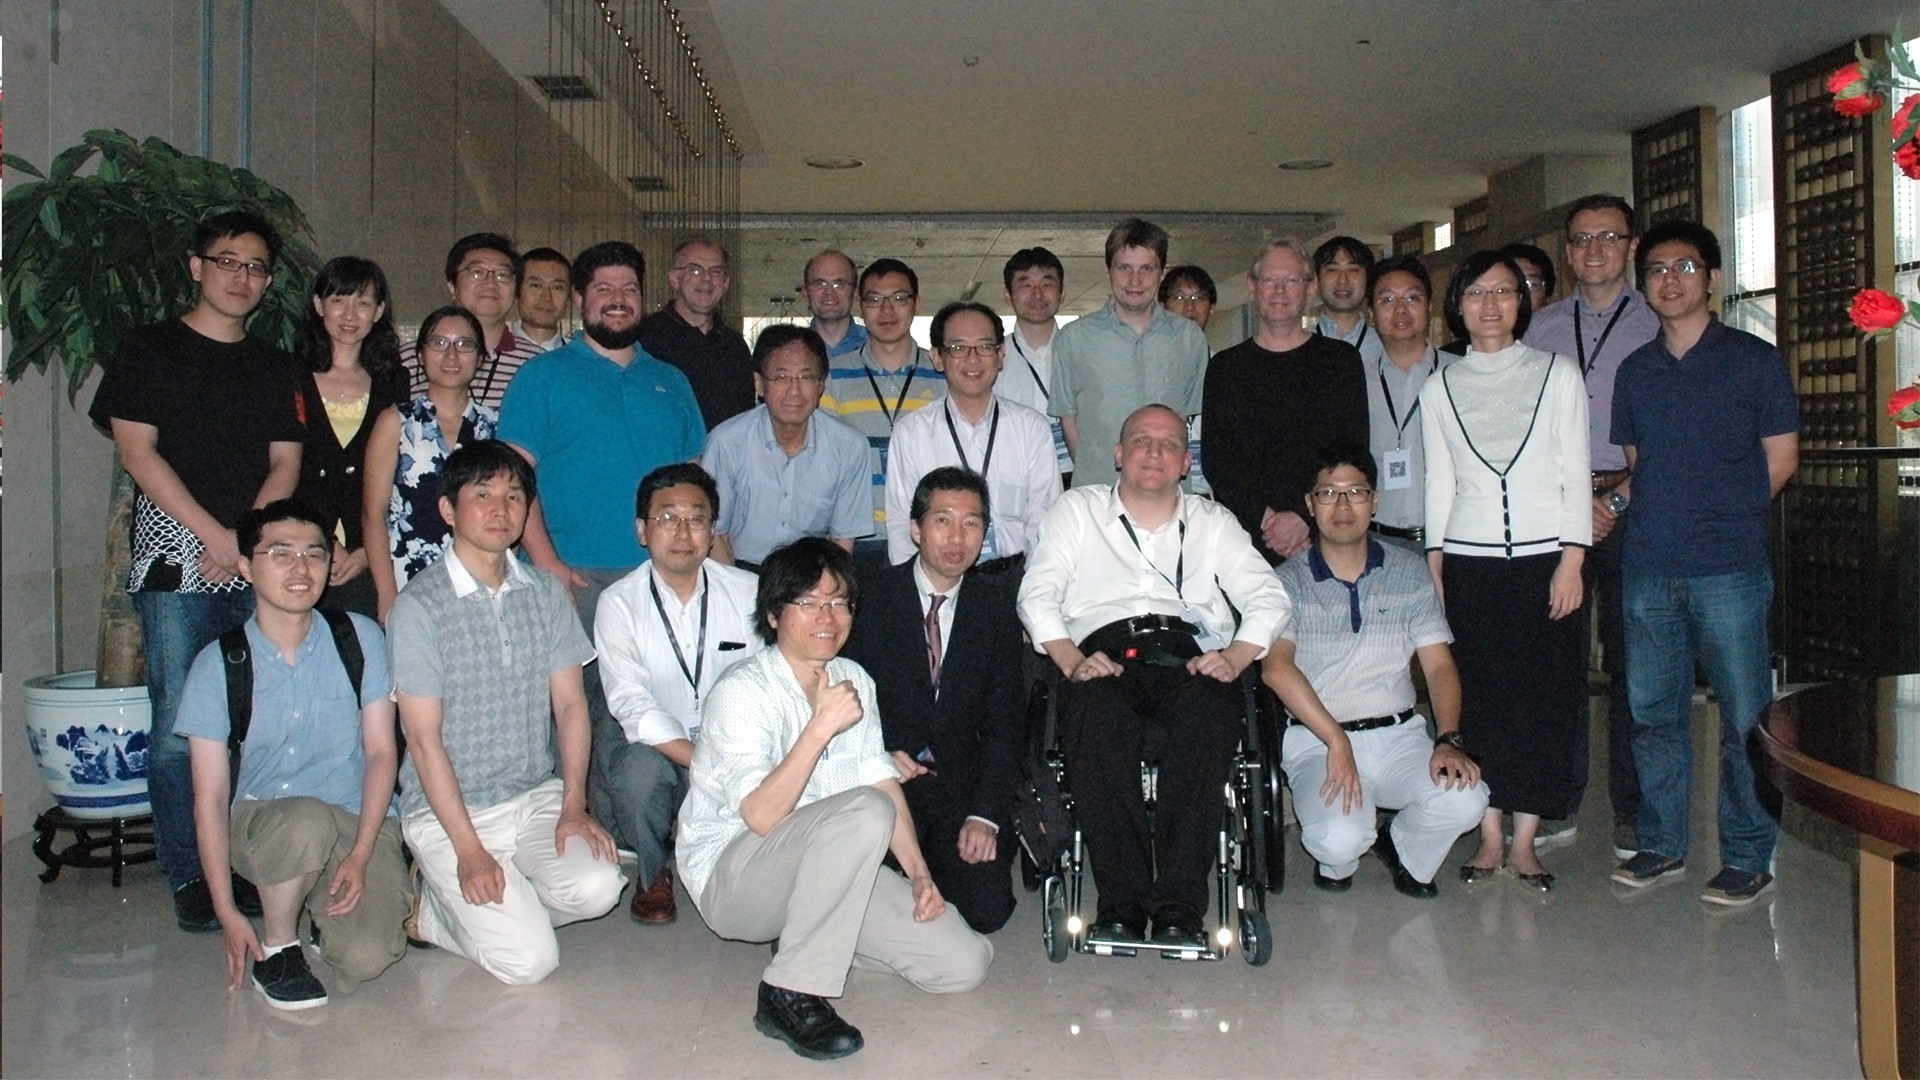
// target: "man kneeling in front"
[[793, 802]]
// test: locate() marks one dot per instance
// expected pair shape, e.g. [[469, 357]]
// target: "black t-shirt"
[[717, 364], [217, 405]]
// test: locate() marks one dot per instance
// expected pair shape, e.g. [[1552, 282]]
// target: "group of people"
[[798, 671]]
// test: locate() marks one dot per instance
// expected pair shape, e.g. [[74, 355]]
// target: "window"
[[1746, 199]]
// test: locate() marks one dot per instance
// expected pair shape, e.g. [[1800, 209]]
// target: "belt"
[[1161, 640], [1605, 480], [1369, 724], [1416, 534]]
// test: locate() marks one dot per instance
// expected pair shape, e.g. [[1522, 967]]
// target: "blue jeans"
[[1721, 620], [176, 627]]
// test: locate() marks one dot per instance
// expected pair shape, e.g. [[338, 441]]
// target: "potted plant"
[[89, 257]]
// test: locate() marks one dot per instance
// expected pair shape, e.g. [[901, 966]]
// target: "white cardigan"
[[1544, 500]]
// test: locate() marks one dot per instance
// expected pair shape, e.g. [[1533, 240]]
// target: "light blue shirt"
[[768, 499], [855, 337], [304, 738]]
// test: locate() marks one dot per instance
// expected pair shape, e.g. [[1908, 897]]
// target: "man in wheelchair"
[[1131, 591], [1355, 741]]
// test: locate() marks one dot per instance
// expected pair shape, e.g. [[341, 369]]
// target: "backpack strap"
[[236, 655], [347, 643]]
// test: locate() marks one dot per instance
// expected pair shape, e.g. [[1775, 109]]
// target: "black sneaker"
[[246, 898], [193, 908], [1737, 888], [1648, 867], [805, 1022], [286, 982]]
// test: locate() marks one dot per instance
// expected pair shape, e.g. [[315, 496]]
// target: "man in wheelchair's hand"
[[1224, 664]]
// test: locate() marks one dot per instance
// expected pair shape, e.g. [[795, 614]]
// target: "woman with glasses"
[[353, 375], [411, 441], [1509, 518]]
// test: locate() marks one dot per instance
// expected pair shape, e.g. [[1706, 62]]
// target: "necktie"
[[933, 638]]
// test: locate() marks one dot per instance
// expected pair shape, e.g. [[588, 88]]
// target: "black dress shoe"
[[247, 898], [1113, 926], [1180, 926], [805, 1022], [1331, 884], [1404, 882]]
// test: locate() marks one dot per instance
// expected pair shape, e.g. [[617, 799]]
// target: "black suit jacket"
[[974, 726]]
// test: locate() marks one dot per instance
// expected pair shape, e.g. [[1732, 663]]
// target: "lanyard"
[[700, 650], [1580, 340], [993, 433], [1179, 569], [1031, 370], [1399, 425], [899, 402]]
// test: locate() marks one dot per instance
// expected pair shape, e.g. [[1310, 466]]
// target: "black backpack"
[[237, 653]]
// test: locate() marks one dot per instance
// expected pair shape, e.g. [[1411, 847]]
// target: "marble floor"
[[1488, 981]]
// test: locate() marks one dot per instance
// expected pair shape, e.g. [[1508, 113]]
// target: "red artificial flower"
[[1852, 95], [1908, 158], [1874, 311], [1904, 407]]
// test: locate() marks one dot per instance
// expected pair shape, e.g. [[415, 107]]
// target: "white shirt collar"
[[667, 593], [925, 586], [465, 584]]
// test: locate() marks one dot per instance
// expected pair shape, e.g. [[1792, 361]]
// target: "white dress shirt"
[[1085, 572], [1026, 380], [1023, 478], [648, 690]]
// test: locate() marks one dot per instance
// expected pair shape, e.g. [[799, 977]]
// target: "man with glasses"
[[1603, 320], [1399, 290], [1035, 283], [1355, 741], [483, 276], [203, 417], [828, 284], [689, 334], [784, 469], [877, 385], [1273, 399], [1188, 291], [664, 633], [1708, 419], [1132, 352], [1340, 269], [1010, 446]]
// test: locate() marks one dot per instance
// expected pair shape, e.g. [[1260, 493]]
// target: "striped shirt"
[[1352, 641], [873, 400]]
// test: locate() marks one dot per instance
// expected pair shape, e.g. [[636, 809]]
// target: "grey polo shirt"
[[768, 499], [1352, 641], [1103, 370]]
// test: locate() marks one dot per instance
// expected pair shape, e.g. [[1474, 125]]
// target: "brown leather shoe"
[[656, 906]]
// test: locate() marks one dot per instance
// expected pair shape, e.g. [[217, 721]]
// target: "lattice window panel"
[[1671, 167]]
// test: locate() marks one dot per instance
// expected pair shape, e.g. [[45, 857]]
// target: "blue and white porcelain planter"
[[90, 744]]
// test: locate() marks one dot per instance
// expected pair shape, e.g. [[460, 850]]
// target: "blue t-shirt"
[[1700, 486], [304, 738], [595, 429]]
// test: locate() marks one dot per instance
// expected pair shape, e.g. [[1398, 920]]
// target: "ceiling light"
[[1306, 164], [835, 161]]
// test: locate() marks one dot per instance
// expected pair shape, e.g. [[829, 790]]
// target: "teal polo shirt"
[[595, 429]]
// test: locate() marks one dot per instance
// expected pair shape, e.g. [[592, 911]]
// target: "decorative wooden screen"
[[1676, 170]]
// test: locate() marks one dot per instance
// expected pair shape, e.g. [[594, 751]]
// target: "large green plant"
[[90, 257]]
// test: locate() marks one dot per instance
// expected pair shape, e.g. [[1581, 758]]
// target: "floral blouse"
[[416, 533]]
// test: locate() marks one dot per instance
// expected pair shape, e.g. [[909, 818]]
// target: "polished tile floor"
[[1488, 981]]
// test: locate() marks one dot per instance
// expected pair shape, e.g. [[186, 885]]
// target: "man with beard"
[[594, 417]]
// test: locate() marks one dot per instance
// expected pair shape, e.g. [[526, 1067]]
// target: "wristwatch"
[[1450, 738], [1617, 502]]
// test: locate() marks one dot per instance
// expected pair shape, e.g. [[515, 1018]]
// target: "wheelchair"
[[1250, 860]]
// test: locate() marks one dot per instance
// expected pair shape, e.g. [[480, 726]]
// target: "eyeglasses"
[[1327, 496], [1683, 267], [1412, 299], [696, 271], [1495, 294], [839, 605], [1277, 281], [465, 346], [960, 350], [830, 284], [1188, 298], [477, 274], [1536, 283], [284, 556], [230, 265], [899, 299], [785, 379], [671, 522], [1588, 239]]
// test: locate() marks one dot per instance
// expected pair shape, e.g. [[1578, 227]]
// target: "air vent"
[[649, 183], [564, 87]]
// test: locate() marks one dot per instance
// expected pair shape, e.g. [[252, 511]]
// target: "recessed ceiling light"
[[1306, 164], [835, 161]]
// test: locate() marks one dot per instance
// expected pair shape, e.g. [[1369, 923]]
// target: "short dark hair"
[[1600, 201], [1470, 270], [481, 460], [937, 332], [447, 311], [604, 254], [236, 223], [350, 275], [546, 254], [881, 267], [947, 478], [1401, 264], [1346, 452], [779, 336], [1192, 275], [481, 241], [1352, 247], [255, 521], [1691, 233], [787, 573], [1033, 258], [1140, 233], [1535, 255], [666, 476]]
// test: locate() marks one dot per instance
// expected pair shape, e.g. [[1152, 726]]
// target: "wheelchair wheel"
[[1256, 937], [1053, 924]]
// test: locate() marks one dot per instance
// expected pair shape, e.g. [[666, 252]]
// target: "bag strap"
[[236, 654]]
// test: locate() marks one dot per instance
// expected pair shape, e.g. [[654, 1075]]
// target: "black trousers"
[[1105, 723], [981, 892], [1603, 590]]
